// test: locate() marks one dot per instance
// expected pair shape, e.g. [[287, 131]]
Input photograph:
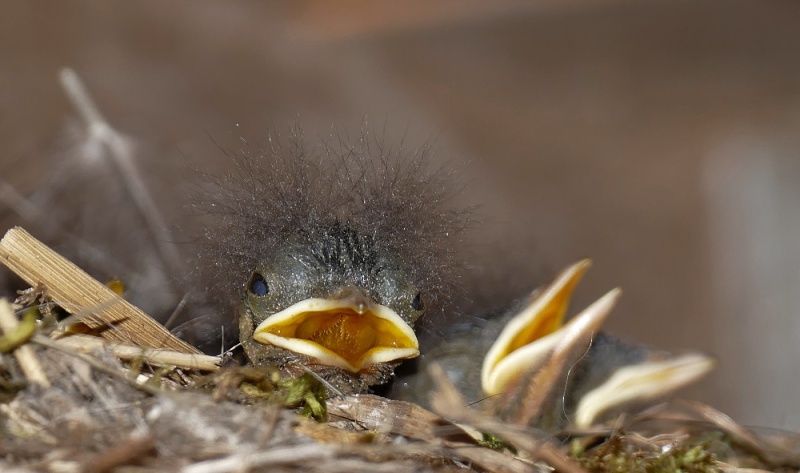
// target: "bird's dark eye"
[[258, 285], [417, 303]]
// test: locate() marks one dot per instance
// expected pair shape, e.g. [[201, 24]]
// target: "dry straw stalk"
[[75, 291]]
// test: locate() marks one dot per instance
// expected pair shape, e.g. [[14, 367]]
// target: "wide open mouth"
[[531, 334], [339, 333]]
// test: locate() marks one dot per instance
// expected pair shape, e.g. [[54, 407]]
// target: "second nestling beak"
[[528, 361], [349, 333], [528, 337]]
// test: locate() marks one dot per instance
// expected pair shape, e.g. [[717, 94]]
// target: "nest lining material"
[[74, 405]]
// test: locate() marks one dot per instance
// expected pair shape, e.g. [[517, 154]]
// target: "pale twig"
[[121, 150], [278, 456], [175, 313], [231, 349], [89, 344], [25, 356]]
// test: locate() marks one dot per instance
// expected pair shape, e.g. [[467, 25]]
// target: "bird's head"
[[334, 254], [334, 301]]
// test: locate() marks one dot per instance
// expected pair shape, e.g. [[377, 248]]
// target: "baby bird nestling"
[[531, 367], [332, 254]]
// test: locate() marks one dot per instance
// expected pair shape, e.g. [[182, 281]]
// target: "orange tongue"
[[349, 335]]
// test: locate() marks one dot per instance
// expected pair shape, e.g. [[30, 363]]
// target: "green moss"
[[13, 339], [264, 384], [496, 443], [307, 393], [618, 455]]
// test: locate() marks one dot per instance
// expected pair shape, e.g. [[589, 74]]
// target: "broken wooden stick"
[[74, 290]]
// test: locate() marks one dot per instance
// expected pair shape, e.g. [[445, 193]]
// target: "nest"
[[137, 399]]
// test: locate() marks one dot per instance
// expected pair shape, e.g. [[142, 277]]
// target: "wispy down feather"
[[288, 188]]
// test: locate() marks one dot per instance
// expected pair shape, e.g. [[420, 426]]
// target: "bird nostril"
[[355, 298]]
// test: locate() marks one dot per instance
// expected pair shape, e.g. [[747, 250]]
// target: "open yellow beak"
[[340, 333], [530, 335], [640, 382]]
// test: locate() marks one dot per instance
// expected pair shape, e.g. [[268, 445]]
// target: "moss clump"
[[496, 443], [254, 385], [619, 454], [10, 340]]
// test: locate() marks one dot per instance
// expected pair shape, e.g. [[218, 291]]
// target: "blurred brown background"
[[659, 138]]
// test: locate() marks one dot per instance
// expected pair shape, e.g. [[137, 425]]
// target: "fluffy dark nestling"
[[343, 221]]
